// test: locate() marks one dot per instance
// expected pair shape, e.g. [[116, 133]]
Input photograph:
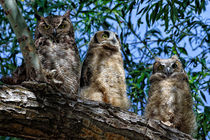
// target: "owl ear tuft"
[[38, 17], [67, 14], [157, 59], [175, 57], [95, 38]]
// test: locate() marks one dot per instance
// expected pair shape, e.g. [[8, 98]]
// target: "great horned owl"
[[58, 53], [103, 75], [169, 95]]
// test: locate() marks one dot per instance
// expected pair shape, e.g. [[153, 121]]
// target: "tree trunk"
[[24, 37], [41, 113]]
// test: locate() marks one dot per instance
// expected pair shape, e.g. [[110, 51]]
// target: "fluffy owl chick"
[[59, 56], [103, 75], [169, 95]]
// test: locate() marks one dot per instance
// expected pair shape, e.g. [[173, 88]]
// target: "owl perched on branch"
[[58, 53], [169, 95], [103, 75]]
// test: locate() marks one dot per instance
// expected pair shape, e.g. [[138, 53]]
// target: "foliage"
[[146, 28]]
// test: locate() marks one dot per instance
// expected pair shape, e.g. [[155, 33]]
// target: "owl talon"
[[167, 123], [57, 82], [51, 74]]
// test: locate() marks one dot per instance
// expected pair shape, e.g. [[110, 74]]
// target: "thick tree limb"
[[24, 37], [51, 115]]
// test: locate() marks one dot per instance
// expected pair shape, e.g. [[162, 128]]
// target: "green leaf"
[[147, 19], [203, 96], [141, 78], [183, 50], [166, 16]]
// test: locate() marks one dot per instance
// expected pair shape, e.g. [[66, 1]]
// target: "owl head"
[[167, 66], [54, 26], [107, 38]]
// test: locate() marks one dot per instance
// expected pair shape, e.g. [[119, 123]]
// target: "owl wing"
[[87, 70]]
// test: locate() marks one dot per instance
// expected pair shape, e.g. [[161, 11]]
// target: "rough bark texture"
[[24, 38], [45, 114]]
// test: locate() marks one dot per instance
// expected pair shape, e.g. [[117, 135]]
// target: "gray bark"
[[42, 113]]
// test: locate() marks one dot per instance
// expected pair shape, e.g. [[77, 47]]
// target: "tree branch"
[[51, 115], [24, 37]]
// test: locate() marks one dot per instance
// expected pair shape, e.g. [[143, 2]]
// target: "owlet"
[[103, 75], [58, 53], [170, 99]]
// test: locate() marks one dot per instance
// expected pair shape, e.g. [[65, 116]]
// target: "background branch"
[[23, 36]]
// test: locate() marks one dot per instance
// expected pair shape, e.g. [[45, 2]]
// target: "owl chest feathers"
[[108, 63], [170, 91], [107, 68], [50, 49], [60, 57]]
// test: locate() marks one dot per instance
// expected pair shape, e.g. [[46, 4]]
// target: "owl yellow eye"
[[46, 27], [160, 67], [104, 36]]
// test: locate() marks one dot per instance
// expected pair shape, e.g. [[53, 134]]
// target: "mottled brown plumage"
[[103, 75], [59, 56], [169, 95]]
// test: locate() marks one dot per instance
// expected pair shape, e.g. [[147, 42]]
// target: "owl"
[[170, 100], [58, 53], [103, 75]]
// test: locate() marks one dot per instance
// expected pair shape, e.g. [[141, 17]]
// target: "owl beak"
[[54, 32], [168, 71]]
